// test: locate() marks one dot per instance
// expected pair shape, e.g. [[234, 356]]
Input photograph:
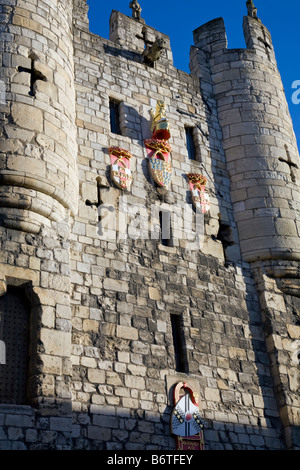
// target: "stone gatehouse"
[[150, 237]]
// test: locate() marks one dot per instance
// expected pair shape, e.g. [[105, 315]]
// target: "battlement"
[[136, 35], [80, 15], [211, 37]]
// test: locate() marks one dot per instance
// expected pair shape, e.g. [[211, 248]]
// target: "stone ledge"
[[17, 409]]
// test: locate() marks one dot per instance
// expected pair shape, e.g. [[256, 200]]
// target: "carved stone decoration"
[[159, 165], [136, 10], [186, 422], [152, 53], [200, 197], [120, 167], [252, 10]]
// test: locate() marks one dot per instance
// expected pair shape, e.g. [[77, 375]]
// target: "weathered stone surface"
[[127, 332], [27, 117], [56, 343], [117, 317]]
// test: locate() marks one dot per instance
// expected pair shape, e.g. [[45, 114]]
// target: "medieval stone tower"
[[150, 237]]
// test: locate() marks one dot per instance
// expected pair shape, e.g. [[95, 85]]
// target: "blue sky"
[[178, 19]]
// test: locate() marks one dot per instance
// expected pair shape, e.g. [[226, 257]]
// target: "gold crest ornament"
[[158, 148], [160, 125]]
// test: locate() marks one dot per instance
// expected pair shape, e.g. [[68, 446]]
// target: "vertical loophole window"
[[114, 109], [179, 344], [190, 143], [14, 333], [165, 228]]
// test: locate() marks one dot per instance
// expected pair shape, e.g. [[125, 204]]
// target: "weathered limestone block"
[[27, 23], [56, 343], [115, 285], [46, 88], [126, 332], [27, 117], [96, 376]]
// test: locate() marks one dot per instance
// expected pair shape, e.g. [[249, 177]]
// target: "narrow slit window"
[[179, 344], [190, 143], [114, 109], [165, 228]]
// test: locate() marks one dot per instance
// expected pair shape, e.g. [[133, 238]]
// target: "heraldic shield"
[[120, 167], [159, 165], [200, 197], [186, 423]]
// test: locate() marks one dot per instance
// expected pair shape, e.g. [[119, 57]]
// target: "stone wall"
[[124, 291], [103, 363]]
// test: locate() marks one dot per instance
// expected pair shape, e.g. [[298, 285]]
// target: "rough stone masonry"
[[100, 317]]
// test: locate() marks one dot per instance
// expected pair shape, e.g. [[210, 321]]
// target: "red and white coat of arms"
[[120, 167], [200, 197], [160, 167]]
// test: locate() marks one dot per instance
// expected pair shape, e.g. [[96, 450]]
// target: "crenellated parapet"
[[140, 38]]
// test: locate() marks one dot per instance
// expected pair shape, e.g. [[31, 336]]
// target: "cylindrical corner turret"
[[38, 173], [263, 163], [39, 183], [259, 143]]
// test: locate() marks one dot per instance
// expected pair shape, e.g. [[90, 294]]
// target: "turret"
[[38, 192], [263, 163], [38, 147], [258, 138]]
